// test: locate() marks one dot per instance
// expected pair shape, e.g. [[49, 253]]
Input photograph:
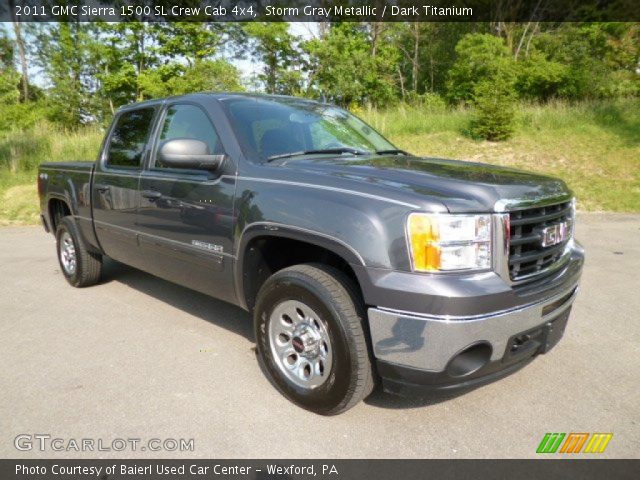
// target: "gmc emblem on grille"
[[555, 234]]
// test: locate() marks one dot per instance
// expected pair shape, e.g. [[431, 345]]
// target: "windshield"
[[276, 128]]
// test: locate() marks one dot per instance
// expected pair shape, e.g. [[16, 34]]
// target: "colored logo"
[[573, 442]]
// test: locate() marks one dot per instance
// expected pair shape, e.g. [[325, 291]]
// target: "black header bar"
[[319, 10]]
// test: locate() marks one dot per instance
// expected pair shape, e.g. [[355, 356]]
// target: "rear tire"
[[309, 326], [80, 267]]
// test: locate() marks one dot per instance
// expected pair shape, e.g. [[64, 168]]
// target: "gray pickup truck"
[[360, 262]]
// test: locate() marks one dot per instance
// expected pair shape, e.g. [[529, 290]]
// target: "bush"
[[494, 109], [621, 84], [540, 78], [21, 116], [9, 80]]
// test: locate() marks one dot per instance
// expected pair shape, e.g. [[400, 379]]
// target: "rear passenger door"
[[115, 193], [185, 218]]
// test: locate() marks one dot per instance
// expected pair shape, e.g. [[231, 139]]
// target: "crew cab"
[[361, 263]]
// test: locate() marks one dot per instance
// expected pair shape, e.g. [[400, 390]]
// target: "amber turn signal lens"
[[443, 242], [424, 237]]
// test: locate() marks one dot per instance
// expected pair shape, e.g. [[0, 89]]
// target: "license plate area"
[[555, 330], [537, 340]]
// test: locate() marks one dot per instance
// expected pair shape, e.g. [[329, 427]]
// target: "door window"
[[129, 138], [189, 121]]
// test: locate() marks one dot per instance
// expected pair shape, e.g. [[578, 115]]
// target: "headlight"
[[449, 242]]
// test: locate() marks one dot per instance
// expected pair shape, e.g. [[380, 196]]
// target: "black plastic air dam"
[[407, 381], [469, 360]]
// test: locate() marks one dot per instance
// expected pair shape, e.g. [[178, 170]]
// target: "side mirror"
[[188, 153]]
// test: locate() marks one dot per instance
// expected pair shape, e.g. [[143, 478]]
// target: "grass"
[[19, 203], [593, 146], [20, 154], [25, 150]]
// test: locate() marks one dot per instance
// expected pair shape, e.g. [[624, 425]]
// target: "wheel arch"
[[258, 256], [57, 208]]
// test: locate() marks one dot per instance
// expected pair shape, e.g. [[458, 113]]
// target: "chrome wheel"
[[67, 254], [300, 344]]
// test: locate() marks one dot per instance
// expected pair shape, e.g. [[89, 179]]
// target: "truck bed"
[[80, 166], [67, 183]]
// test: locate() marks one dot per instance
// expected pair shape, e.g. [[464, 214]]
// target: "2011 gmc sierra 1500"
[[359, 261]]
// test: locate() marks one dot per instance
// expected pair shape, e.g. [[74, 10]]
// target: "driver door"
[[185, 217]]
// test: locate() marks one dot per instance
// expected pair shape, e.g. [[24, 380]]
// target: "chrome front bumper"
[[428, 343]]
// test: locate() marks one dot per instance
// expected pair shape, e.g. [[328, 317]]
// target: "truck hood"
[[459, 185]]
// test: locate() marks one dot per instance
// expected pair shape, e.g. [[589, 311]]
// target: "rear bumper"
[[417, 351]]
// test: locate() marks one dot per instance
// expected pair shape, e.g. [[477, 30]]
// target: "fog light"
[[470, 360]]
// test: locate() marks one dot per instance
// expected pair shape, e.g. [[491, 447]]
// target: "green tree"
[[176, 79], [480, 58], [274, 46], [15, 112], [192, 41], [114, 76], [600, 58], [134, 61], [347, 67], [427, 53], [63, 55], [137, 46], [9, 77], [22, 54], [494, 108]]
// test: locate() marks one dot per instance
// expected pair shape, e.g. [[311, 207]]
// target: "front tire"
[[80, 267], [309, 326]]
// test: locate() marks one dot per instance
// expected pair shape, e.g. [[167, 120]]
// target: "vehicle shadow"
[[235, 320], [382, 399], [207, 308]]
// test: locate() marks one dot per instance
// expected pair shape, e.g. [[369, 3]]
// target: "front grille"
[[527, 256]]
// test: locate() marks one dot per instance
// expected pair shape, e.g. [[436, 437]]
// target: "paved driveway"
[[137, 357]]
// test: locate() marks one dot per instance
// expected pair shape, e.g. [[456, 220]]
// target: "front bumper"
[[446, 352]]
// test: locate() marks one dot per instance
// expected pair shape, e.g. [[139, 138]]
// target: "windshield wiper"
[[353, 151], [393, 151]]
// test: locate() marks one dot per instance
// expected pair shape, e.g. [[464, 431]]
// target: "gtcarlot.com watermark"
[[43, 442]]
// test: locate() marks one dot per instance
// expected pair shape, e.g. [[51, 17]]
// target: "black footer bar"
[[143, 469]]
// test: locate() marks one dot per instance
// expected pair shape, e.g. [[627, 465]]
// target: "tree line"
[[90, 69]]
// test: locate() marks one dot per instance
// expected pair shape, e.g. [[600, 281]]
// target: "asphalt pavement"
[[140, 358]]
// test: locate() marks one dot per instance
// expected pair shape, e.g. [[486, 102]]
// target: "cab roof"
[[220, 96]]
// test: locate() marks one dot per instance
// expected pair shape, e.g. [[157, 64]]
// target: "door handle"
[[151, 194]]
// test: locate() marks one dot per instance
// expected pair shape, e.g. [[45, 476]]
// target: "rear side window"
[[129, 138]]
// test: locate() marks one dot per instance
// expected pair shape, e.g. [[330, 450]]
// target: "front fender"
[[367, 231]]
